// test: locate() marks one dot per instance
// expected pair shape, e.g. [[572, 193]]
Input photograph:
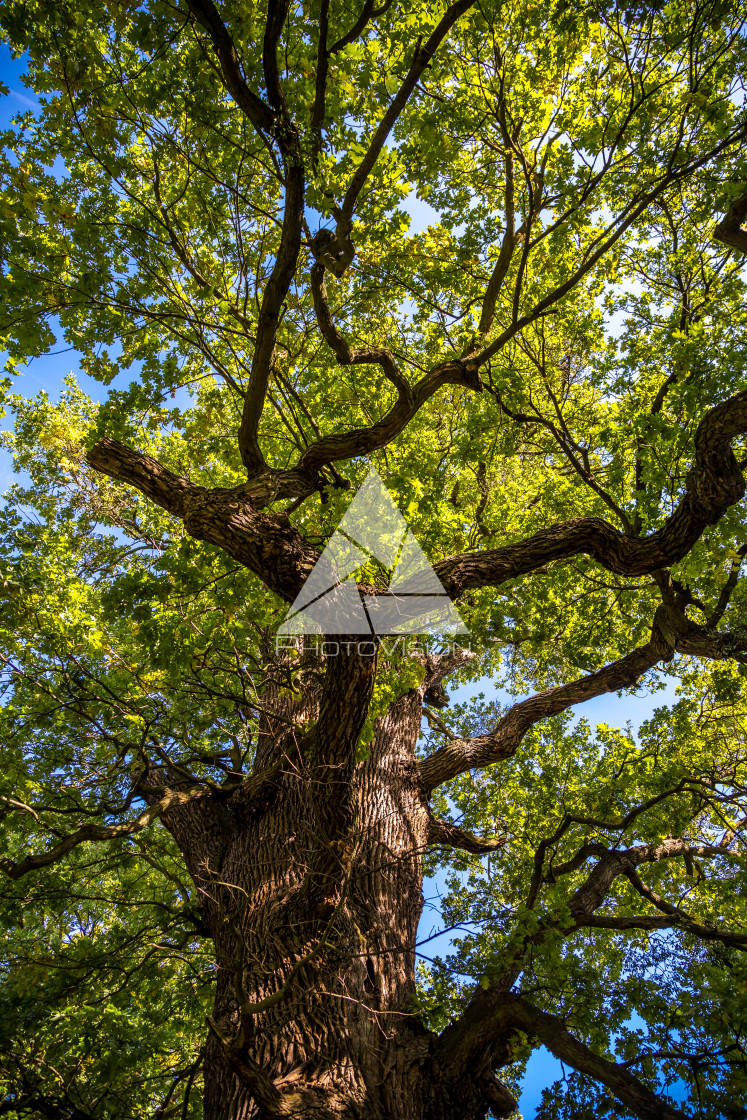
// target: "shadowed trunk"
[[314, 922]]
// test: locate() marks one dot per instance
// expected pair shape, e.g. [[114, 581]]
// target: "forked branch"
[[494, 1015], [422, 57]]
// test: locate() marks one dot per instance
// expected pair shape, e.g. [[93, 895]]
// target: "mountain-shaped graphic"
[[372, 528]]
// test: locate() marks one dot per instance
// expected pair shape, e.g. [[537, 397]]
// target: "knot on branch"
[[332, 251], [470, 374], [669, 625], [729, 230], [437, 696]]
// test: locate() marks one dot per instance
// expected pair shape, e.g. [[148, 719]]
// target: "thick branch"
[[206, 14], [614, 862], [736, 941], [698, 641], [502, 265], [502, 1103], [368, 13], [729, 230], [511, 238], [494, 1015], [320, 89], [228, 518], [560, 1042], [670, 634], [277, 12], [280, 556], [276, 123], [167, 490], [448, 834], [460, 755], [362, 441], [714, 483], [276, 290]]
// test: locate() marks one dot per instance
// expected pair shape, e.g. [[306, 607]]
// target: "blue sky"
[[47, 374]]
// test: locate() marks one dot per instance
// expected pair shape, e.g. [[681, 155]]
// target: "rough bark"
[[313, 902], [310, 880]]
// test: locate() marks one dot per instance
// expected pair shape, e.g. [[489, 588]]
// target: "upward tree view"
[[215, 827]]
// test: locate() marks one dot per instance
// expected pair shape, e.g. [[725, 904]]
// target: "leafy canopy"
[[575, 162]]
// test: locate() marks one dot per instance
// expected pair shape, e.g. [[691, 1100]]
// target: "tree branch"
[[494, 1015], [677, 918], [421, 59], [714, 483], [559, 1041], [442, 832], [338, 253], [635, 209], [368, 13], [320, 84], [511, 238], [277, 12], [727, 590], [376, 355], [362, 441], [280, 556], [276, 290], [228, 518], [736, 941], [94, 833], [207, 15], [461, 755], [670, 634], [699, 641], [614, 862], [729, 230], [276, 123]]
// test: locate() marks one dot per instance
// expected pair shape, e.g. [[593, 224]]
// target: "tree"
[[201, 822]]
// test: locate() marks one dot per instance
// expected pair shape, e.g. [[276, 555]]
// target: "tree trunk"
[[312, 894]]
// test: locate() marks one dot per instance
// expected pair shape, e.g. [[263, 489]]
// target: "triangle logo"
[[372, 529]]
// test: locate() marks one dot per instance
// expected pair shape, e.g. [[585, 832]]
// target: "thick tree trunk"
[[341, 1031], [313, 897]]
